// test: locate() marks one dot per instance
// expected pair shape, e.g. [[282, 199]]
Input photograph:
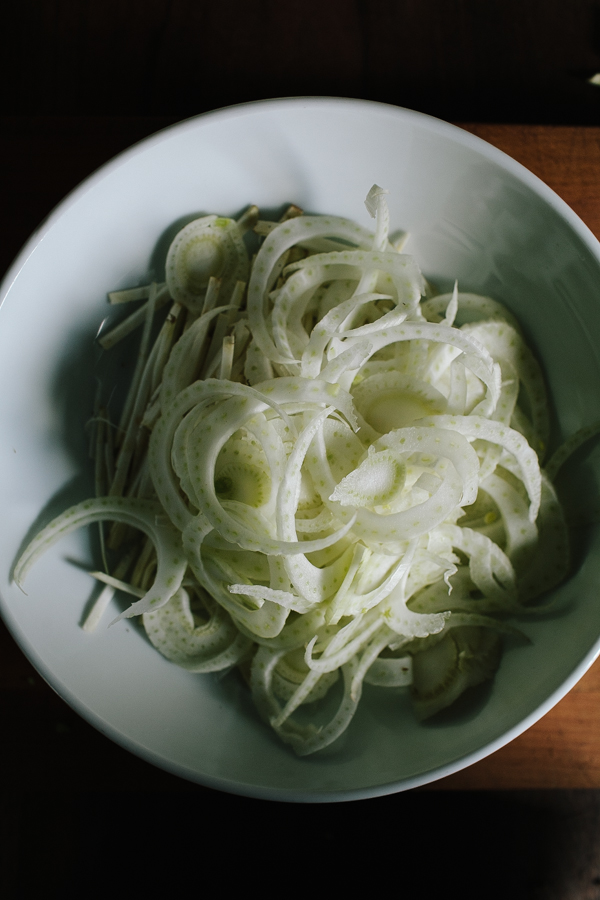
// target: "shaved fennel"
[[335, 483]]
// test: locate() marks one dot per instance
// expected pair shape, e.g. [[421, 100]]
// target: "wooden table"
[[43, 158]]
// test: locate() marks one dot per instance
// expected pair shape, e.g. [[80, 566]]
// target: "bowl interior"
[[473, 214]]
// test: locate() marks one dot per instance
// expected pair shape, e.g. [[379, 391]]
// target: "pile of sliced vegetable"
[[334, 481]]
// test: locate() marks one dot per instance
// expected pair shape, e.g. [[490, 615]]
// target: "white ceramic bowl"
[[473, 214]]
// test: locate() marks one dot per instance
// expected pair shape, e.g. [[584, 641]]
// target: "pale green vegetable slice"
[[476, 306], [473, 355], [288, 674], [399, 271], [457, 484], [521, 533], [340, 721], [344, 646], [390, 400], [390, 672], [145, 515], [263, 667], [199, 394], [275, 245], [210, 434], [549, 565], [466, 657], [490, 567], [210, 647], [209, 246], [265, 622], [568, 447], [374, 483], [359, 492], [186, 358], [312, 356], [377, 208], [479, 428], [406, 622], [507, 346]]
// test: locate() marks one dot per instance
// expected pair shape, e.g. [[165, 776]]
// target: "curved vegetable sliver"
[[358, 492], [146, 515]]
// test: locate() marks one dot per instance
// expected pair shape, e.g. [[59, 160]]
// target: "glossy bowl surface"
[[473, 214]]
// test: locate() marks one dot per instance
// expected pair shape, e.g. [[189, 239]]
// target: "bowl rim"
[[455, 133], [470, 140]]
